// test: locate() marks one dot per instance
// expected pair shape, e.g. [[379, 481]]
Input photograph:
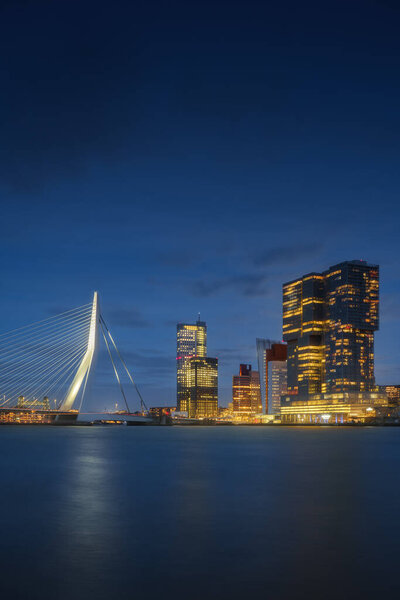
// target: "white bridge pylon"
[[46, 365], [85, 366]]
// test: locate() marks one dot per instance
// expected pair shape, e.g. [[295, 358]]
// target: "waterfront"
[[119, 512]]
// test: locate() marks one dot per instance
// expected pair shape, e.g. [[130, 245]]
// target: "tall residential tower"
[[329, 320]]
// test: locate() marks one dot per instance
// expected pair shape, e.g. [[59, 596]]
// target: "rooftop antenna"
[[198, 317]]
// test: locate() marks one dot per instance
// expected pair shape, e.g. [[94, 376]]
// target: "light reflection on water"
[[199, 512]]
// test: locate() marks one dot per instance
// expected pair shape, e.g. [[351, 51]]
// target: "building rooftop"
[[363, 263]]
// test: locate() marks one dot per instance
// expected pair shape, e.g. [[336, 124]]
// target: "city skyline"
[[184, 169], [196, 336], [199, 303]]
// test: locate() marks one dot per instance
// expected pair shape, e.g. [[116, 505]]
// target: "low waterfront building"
[[162, 414], [34, 416], [33, 403], [333, 408], [392, 392]]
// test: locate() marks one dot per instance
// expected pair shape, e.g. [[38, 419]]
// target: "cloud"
[[389, 306], [228, 355], [246, 285], [131, 318], [142, 366], [127, 317], [286, 254]]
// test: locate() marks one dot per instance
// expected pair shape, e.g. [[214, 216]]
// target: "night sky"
[[192, 156]]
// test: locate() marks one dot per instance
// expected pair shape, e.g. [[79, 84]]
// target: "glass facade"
[[277, 385], [191, 342], [276, 376], [352, 317], [329, 320], [202, 387], [334, 408]]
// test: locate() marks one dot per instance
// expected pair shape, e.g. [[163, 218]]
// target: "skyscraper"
[[246, 396], [202, 387], [196, 374], [329, 320], [191, 342], [352, 317], [271, 358], [276, 377]]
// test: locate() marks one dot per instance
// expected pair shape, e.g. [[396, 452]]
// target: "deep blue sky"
[[191, 156]]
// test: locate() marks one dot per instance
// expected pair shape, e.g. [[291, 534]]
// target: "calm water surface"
[[193, 513]]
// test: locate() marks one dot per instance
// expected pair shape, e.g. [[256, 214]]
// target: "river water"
[[199, 512]]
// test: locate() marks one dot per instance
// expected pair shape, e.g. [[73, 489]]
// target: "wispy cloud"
[[141, 364], [228, 355], [286, 254], [390, 302], [246, 285], [127, 317]]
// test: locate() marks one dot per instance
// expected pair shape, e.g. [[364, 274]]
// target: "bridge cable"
[[142, 403], [41, 358], [49, 322], [115, 369]]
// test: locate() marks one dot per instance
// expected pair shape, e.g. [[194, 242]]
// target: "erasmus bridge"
[[45, 368]]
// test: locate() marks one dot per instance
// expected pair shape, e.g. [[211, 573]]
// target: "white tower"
[[84, 368]]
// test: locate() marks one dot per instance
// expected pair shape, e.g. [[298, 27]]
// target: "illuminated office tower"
[[202, 387], [191, 341], [276, 377], [329, 320], [246, 396], [352, 317]]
